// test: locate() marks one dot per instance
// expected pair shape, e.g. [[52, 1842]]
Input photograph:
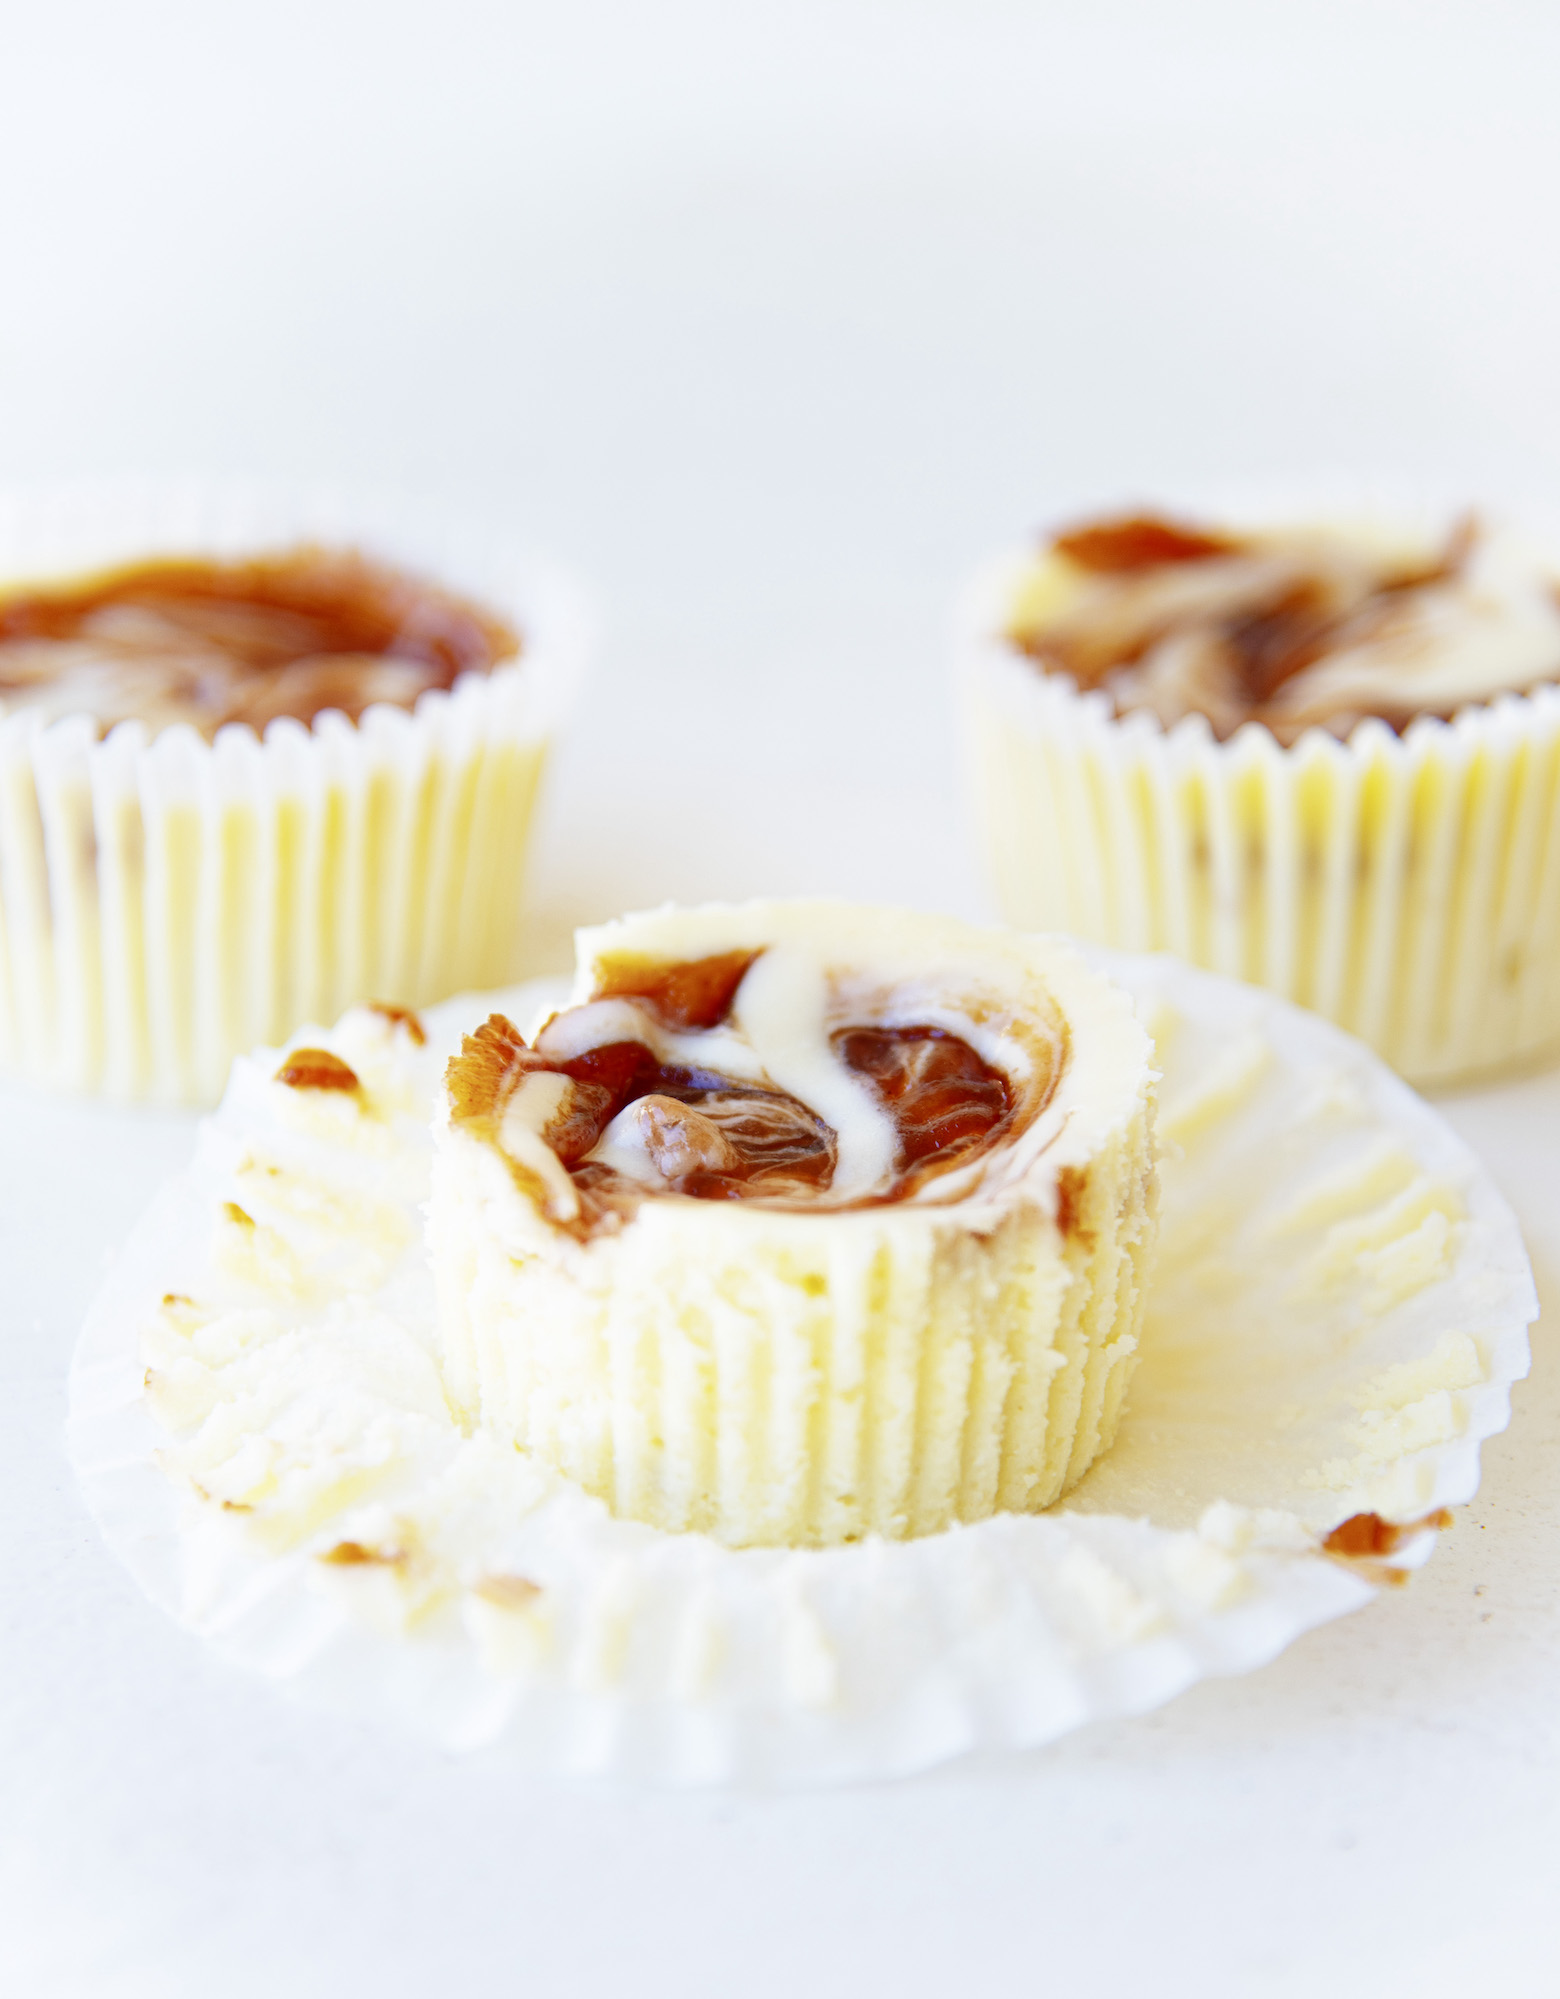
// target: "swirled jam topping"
[[665, 1083], [209, 642], [1295, 628]]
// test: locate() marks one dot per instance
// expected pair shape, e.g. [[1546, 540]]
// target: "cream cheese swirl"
[[1302, 627], [768, 1075]]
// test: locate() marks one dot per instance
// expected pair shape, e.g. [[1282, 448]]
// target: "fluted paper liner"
[[167, 903], [1339, 1314], [1407, 887]]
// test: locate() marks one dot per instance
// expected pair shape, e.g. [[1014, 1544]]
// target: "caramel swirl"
[[622, 1120], [1293, 628], [209, 642]]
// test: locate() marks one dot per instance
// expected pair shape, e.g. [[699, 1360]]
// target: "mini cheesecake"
[[802, 1221], [1320, 755], [258, 763]]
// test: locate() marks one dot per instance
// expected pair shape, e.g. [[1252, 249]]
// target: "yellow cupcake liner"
[[1407, 887], [167, 902]]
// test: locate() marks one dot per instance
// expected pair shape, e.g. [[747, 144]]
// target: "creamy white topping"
[[598, 1023], [534, 1105], [782, 1012], [1493, 629], [777, 1037]]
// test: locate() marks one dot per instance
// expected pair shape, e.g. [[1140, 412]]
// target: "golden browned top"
[[480, 1079]]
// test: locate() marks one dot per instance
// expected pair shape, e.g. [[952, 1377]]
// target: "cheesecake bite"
[[801, 1222]]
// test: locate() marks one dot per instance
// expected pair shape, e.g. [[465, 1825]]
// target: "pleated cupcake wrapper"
[[1406, 887], [1337, 1321], [166, 903]]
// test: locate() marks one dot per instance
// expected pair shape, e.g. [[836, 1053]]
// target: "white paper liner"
[[167, 903], [1407, 887], [1340, 1315]]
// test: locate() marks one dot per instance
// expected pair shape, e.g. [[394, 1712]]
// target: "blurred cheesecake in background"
[[1320, 755], [259, 760]]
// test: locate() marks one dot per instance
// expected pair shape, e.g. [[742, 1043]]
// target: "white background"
[[772, 319]]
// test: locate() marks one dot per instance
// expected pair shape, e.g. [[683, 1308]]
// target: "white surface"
[[776, 318]]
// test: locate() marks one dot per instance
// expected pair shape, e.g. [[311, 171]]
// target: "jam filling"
[[317, 1069], [698, 994], [1364, 1535], [1138, 541], [715, 1138], [290, 633], [945, 1101]]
